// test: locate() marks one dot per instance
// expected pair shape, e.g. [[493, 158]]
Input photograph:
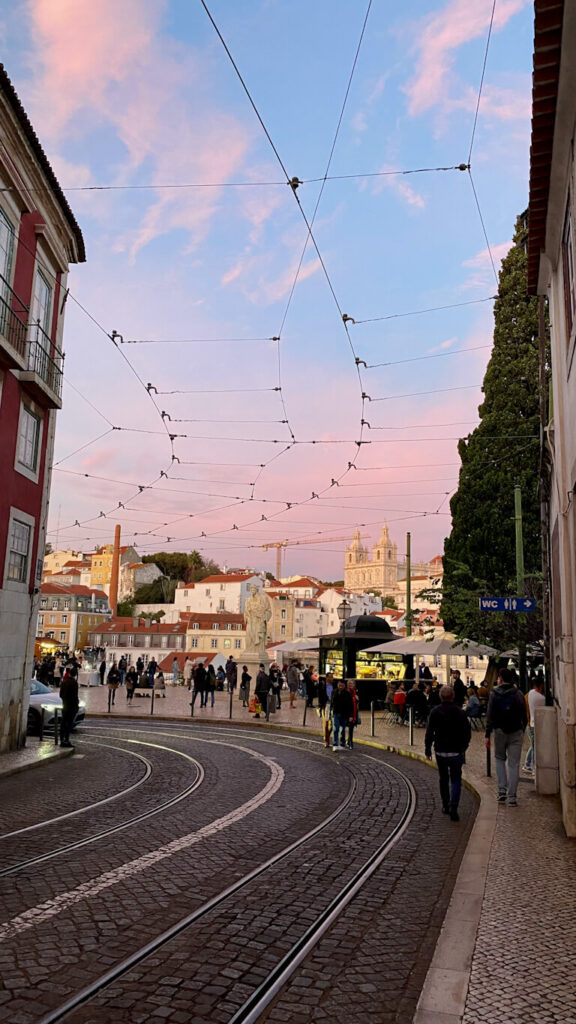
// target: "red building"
[[39, 238]]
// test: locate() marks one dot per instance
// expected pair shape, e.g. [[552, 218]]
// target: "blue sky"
[[142, 92]]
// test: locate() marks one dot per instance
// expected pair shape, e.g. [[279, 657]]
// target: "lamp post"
[[344, 609]]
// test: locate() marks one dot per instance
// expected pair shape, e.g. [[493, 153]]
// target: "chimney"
[[113, 599]]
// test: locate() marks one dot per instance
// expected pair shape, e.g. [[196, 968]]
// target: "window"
[[221, 605], [63, 634], [64, 620], [52, 619], [19, 551], [67, 603], [195, 625], [207, 591], [568, 270], [283, 614], [227, 643], [194, 641], [54, 604], [6, 248], [164, 641], [282, 630], [214, 643], [228, 625], [41, 303], [44, 602], [40, 620], [185, 593], [28, 439], [237, 644], [215, 625]]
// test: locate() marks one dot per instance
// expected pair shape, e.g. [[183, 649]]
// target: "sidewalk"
[[505, 953], [33, 755]]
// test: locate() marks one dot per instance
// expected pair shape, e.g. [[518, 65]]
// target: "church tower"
[[380, 572]]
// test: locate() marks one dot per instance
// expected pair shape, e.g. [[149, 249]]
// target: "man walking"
[[342, 707], [293, 680], [535, 700], [69, 696], [459, 688], [231, 674], [507, 718], [200, 686], [448, 731]]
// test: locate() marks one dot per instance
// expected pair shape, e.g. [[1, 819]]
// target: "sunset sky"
[[142, 93]]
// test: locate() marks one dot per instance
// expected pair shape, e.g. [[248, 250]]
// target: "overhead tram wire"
[[419, 312], [436, 355], [241, 184], [293, 182], [473, 137]]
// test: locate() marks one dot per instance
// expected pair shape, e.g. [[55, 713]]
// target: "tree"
[[180, 565], [388, 601], [334, 583], [479, 554]]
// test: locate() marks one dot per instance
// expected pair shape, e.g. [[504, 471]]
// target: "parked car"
[[41, 696]]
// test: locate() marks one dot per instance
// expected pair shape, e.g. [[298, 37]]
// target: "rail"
[[44, 359]]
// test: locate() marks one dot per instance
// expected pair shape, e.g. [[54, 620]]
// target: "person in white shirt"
[[535, 700]]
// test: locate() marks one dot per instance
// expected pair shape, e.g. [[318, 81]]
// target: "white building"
[[552, 273], [133, 575], [225, 592]]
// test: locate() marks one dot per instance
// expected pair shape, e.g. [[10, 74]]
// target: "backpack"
[[508, 715]]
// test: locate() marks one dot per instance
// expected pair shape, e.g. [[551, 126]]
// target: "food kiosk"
[[372, 670]]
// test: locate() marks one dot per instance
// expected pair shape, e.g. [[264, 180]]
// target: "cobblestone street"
[[197, 810]]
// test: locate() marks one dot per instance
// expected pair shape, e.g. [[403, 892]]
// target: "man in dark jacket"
[[69, 697], [416, 700], [200, 686], [231, 674], [342, 708], [449, 733], [262, 688], [459, 689], [507, 717]]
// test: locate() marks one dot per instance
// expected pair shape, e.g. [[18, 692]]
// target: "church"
[[378, 571]]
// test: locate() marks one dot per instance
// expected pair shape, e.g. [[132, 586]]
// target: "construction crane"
[[279, 544]]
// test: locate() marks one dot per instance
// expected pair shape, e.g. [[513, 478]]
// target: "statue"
[[257, 614]]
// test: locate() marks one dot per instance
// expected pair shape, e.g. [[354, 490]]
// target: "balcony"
[[43, 375], [13, 328]]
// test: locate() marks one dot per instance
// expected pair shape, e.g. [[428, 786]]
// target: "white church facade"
[[375, 570]]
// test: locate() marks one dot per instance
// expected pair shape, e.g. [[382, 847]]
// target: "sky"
[[199, 254]]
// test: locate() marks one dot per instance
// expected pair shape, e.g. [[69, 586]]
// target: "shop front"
[[372, 670]]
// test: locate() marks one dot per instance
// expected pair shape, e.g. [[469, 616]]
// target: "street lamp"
[[344, 609]]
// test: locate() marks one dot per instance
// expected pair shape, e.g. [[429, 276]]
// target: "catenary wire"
[[476, 112]]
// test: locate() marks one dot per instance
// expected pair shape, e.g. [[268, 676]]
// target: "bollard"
[[231, 699], [41, 733], [488, 762], [268, 706], [372, 733], [152, 702], [56, 727], [305, 710], [411, 725], [192, 705]]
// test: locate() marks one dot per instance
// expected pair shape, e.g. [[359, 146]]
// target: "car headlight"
[[82, 704], [49, 707]]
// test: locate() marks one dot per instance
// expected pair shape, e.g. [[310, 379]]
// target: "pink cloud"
[[459, 22], [106, 64]]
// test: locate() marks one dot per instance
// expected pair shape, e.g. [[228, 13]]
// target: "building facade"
[[133, 575], [68, 613], [552, 275], [365, 570], [101, 564], [224, 592], [56, 560], [39, 238]]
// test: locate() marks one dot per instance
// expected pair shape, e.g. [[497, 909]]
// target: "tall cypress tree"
[[479, 554]]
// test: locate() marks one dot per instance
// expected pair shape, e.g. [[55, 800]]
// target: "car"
[[42, 696]]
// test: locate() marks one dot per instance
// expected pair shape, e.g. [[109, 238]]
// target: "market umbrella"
[[443, 644], [304, 644]]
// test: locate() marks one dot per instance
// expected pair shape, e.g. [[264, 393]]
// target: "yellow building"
[[101, 564], [216, 631], [67, 614]]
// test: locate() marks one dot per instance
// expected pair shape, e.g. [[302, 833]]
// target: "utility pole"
[[520, 579], [408, 587]]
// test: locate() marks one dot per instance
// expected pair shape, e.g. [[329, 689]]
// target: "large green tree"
[[479, 554], [181, 565]]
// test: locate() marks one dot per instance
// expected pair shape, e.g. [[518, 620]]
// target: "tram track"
[[112, 829], [266, 991]]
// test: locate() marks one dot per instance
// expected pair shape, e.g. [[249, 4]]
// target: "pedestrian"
[[102, 671], [536, 699], [459, 689], [329, 685], [309, 686], [507, 718], [355, 716], [275, 685], [262, 688], [113, 682], [449, 733], [152, 666], [342, 708], [293, 680], [399, 701], [210, 685], [322, 694], [175, 671], [139, 665], [159, 684], [131, 682], [432, 695], [483, 694], [416, 700], [69, 697], [220, 678], [199, 685], [187, 672], [231, 673], [473, 707], [245, 686], [122, 666]]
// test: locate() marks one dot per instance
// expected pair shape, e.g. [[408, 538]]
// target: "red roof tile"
[[57, 589], [229, 578]]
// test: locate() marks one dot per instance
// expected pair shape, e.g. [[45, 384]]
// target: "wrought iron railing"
[[12, 326], [45, 359]]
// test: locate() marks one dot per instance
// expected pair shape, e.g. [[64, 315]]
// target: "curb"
[[38, 763], [443, 996]]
